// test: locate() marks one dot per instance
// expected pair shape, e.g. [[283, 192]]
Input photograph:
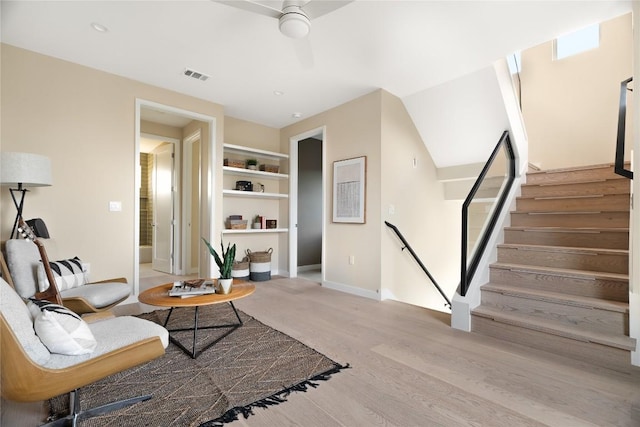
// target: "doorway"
[[188, 150], [307, 195], [158, 201]]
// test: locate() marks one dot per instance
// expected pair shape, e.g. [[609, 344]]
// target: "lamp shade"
[[30, 170]]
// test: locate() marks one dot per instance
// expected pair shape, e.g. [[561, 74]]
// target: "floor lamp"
[[20, 171]]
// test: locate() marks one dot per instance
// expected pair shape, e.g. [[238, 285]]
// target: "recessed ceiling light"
[[296, 115], [278, 93], [99, 27]]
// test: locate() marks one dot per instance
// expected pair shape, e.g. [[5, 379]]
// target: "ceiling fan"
[[295, 16]]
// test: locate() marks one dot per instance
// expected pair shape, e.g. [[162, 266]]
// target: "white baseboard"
[[366, 293]]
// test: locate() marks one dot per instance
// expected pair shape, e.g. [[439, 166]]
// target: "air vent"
[[195, 74]]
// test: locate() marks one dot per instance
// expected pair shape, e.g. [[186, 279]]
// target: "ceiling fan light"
[[295, 25]]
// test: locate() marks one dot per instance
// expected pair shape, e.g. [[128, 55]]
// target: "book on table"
[[189, 288]]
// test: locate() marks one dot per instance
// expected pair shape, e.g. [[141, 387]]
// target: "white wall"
[[460, 121]]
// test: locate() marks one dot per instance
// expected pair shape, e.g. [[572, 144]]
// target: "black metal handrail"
[[467, 271], [622, 118], [417, 259]]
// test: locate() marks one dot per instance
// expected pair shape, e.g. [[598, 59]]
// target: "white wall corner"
[[387, 294], [366, 293], [634, 326], [460, 313]]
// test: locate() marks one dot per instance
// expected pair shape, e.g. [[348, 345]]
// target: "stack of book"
[[190, 288]]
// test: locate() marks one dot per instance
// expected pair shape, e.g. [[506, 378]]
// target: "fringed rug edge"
[[275, 399]]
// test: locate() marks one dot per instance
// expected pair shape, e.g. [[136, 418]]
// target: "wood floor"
[[409, 368]]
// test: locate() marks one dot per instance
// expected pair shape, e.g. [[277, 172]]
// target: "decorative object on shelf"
[[252, 164], [23, 170], [270, 168], [244, 186], [258, 188], [234, 163], [225, 264], [260, 265], [240, 269], [349, 185], [235, 222], [272, 223], [257, 222]]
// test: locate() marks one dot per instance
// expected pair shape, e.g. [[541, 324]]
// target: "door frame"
[[187, 170], [293, 197], [206, 200]]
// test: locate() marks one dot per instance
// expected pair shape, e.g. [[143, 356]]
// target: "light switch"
[[115, 206]]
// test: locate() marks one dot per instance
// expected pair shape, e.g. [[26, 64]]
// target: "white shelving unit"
[[238, 151]]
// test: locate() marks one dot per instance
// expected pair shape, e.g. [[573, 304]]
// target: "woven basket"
[[260, 256], [241, 265]]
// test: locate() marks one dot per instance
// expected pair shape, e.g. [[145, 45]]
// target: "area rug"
[[253, 367]]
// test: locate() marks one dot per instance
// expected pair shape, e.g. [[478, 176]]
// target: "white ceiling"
[[403, 47]]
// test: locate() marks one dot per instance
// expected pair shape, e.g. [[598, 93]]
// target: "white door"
[[163, 214]]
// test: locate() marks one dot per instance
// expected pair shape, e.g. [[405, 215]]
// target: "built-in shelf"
[[248, 172], [256, 230], [263, 154], [252, 194]]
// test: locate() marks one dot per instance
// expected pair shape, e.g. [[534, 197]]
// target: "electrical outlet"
[[115, 206]]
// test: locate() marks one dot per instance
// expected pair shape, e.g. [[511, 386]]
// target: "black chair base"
[[76, 414]]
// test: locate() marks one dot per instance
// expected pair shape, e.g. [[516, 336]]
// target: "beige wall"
[[570, 106], [352, 130], [430, 224], [84, 121]]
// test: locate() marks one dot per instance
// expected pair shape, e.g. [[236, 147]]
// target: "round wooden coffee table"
[[159, 296]]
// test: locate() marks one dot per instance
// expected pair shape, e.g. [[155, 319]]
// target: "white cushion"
[[100, 294], [112, 334], [68, 274], [19, 320], [62, 331]]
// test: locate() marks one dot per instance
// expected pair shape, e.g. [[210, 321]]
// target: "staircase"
[[561, 282]]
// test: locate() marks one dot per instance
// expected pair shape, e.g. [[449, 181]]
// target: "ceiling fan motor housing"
[[294, 22]]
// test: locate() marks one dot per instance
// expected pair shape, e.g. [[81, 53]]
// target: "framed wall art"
[[349, 185]]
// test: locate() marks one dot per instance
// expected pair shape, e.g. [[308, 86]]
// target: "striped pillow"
[[68, 273]]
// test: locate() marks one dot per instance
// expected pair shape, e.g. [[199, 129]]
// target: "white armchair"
[[23, 260]]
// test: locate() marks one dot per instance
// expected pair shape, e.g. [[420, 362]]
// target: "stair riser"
[[580, 220], [610, 186], [583, 239], [613, 290], [587, 318], [611, 263], [571, 176], [615, 202], [608, 357]]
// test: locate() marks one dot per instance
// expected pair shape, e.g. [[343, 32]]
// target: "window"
[[515, 62], [577, 42]]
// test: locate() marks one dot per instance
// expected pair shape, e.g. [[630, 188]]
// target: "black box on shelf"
[[244, 186]]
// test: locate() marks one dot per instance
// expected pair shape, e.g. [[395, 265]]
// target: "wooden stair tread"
[[558, 297], [572, 182], [572, 196], [564, 249], [528, 322], [585, 212], [569, 229], [572, 169], [566, 272]]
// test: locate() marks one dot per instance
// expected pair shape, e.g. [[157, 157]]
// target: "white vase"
[[225, 285]]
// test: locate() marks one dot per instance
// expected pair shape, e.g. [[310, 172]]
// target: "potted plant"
[[257, 222], [252, 164], [225, 264]]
